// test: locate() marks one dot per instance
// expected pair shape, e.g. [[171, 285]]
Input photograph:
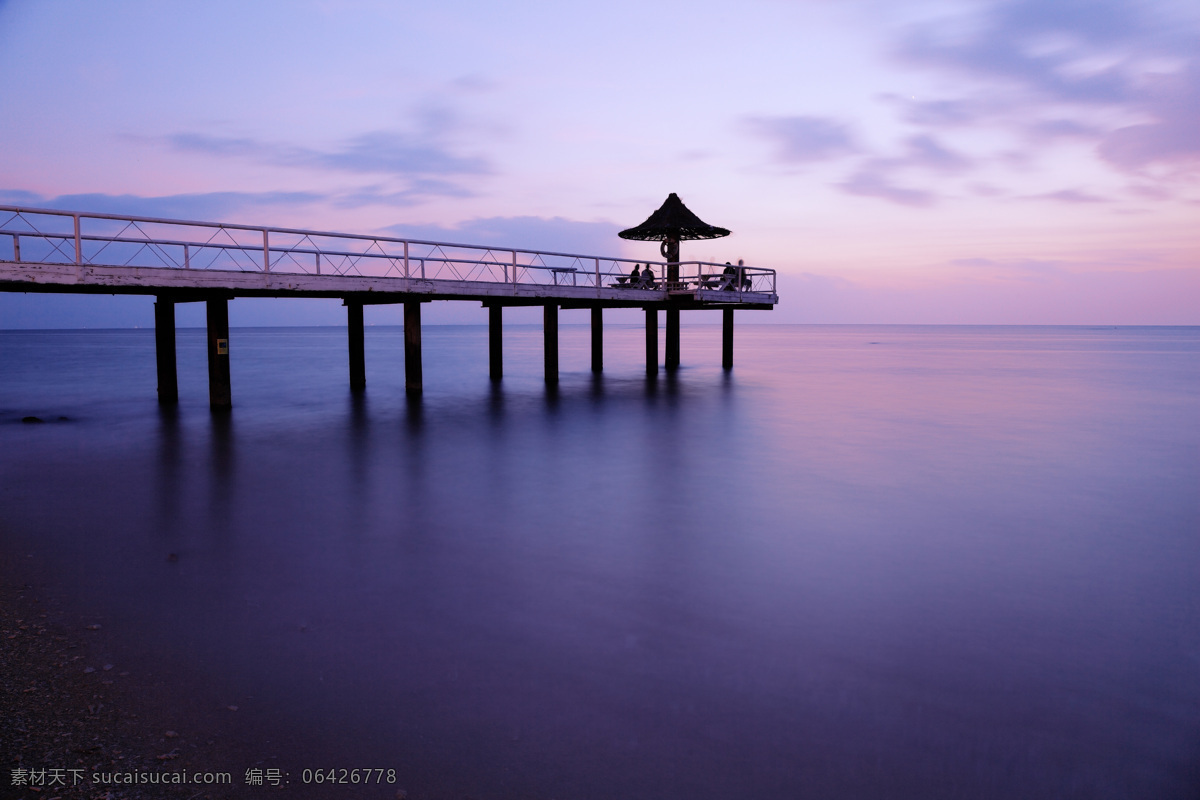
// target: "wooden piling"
[[413, 383], [651, 341], [550, 335], [496, 342], [597, 339], [358, 360], [164, 349], [220, 395], [727, 338]]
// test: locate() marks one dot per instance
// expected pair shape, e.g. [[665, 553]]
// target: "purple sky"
[[962, 162]]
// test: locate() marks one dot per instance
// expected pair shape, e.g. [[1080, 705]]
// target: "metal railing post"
[[406, 260], [266, 253], [187, 258], [16, 247], [78, 242], [514, 267], [597, 277], [318, 263]]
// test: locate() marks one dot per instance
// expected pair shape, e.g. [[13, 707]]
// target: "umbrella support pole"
[[672, 339]]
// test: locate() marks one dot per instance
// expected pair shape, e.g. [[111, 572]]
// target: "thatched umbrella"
[[672, 223]]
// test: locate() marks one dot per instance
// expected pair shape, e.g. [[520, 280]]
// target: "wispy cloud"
[[808, 139], [1063, 128], [379, 152], [1019, 265], [555, 234], [927, 152], [804, 139], [921, 154], [1073, 196], [1036, 59], [474, 84], [1069, 50], [938, 113], [216, 206], [223, 206], [416, 191], [1174, 136], [868, 183]]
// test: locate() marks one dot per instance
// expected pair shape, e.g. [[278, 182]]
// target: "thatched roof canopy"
[[673, 220]]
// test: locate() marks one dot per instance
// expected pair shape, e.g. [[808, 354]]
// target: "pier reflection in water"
[[872, 562]]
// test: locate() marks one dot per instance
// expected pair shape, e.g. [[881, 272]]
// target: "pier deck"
[[46, 250]]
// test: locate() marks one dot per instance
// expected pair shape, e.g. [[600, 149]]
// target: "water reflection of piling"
[[170, 457], [221, 467]]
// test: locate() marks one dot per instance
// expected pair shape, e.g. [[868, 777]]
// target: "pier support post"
[[727, 338], [164, 349], [672, 354], [220, 396], [358, 360], [413, 383], [550, 334], [598, 339], [496, 342], [651, 341]]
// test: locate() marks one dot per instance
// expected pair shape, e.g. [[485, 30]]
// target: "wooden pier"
[[180, 261]]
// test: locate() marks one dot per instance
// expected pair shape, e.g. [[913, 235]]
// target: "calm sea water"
[[871, 562]]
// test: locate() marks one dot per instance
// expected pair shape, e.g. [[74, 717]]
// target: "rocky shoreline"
[[70, 718]]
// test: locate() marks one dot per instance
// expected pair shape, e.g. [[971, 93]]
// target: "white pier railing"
[[46, 236]]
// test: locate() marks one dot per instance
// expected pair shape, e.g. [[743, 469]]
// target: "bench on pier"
[[627, 282], [723, 281], [563, 272]]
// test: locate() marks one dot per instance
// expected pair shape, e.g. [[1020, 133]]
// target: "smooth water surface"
[[869, 562]]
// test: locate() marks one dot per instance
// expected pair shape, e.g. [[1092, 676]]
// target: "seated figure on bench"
[[631, 280], [728, 278], [647, 281]]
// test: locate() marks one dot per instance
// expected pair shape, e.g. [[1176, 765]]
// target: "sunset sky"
[[898, 162]]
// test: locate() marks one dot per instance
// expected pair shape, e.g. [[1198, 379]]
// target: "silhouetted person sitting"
[[743, 276], [635, 274], [647, 278], [728, 277]]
